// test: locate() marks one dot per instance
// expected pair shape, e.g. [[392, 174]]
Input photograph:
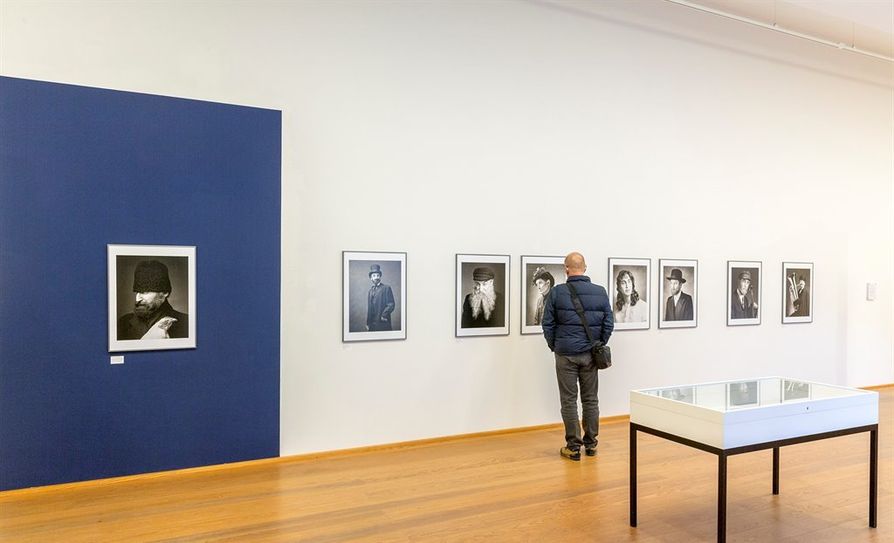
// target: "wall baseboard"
[[298, 457]]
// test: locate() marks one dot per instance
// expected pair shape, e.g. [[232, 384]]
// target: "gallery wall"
[[619, 129], [81, 168]]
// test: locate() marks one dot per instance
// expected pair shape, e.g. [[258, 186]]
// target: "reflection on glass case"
[[795, 390], [680, 394], [742, 394]]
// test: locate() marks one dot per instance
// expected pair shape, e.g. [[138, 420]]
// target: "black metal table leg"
[[721, 498], [633, 475], [775, 470], [873, 478]]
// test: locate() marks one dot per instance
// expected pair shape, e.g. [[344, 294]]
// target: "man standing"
[[743, 304], [483, 307], [544, 281], [679, 304], [379, 302], [802, 301], [567, 339], [152, 317]]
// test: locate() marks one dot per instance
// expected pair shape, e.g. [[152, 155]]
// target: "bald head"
[[575, 264]]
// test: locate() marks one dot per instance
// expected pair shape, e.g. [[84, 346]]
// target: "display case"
[[732, 414], [734, 417]]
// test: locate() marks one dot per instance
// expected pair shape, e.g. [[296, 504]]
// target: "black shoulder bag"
[[602, 353]]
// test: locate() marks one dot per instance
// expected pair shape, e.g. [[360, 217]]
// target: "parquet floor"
[[510, 487]]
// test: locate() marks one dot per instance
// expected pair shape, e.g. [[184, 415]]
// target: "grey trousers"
[[571, 370]]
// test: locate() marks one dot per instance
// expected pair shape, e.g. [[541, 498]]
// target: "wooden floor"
[[511, 487]]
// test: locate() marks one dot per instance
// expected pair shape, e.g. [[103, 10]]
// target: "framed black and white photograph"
[[678, 293], [743, 292], [539, 274], [680, 394], [152, 297], [742, 394], [482, 295], [374, 296], [795, 390], [797, 292], [629, 290]]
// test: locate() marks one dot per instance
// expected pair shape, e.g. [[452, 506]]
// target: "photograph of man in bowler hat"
[[678, 290], [153, 317], [380, 302]]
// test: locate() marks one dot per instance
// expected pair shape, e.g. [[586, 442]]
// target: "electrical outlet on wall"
[[871, 291]]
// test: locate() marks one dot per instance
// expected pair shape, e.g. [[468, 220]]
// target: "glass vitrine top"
[[748, 393]]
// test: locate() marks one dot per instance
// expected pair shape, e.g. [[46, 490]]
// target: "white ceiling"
[[878, 14]]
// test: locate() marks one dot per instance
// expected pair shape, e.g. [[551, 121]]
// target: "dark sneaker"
[[570, 454], [591, 451]]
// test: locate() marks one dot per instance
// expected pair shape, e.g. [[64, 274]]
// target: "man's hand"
[[160, 329]]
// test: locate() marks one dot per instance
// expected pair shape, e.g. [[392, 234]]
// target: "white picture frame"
[[637, 275], [495, 322], [744, 310], [164, 267], [367, 314], [532, 269]]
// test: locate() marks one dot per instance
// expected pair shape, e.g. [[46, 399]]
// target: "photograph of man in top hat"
[[380, 302], [374, 296], [678, 290], [481, 302], [152, 297], [152, 317]]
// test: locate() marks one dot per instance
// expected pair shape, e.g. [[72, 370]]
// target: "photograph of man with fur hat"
[[151, 296], [482, 285], [152, 317]]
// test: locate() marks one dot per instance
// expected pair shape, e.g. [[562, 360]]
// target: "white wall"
[[616, 129]]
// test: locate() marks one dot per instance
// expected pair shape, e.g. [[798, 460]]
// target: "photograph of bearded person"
[[152, 316], [483, 307]]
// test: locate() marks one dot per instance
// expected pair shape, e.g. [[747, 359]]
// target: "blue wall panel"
[[81, 168]]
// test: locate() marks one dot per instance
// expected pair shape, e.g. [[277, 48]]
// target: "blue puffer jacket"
[[561, 325]]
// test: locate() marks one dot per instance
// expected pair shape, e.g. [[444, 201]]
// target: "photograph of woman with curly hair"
[[629, 292]]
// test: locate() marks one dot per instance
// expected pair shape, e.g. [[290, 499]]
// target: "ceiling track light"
[[777, 28]]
